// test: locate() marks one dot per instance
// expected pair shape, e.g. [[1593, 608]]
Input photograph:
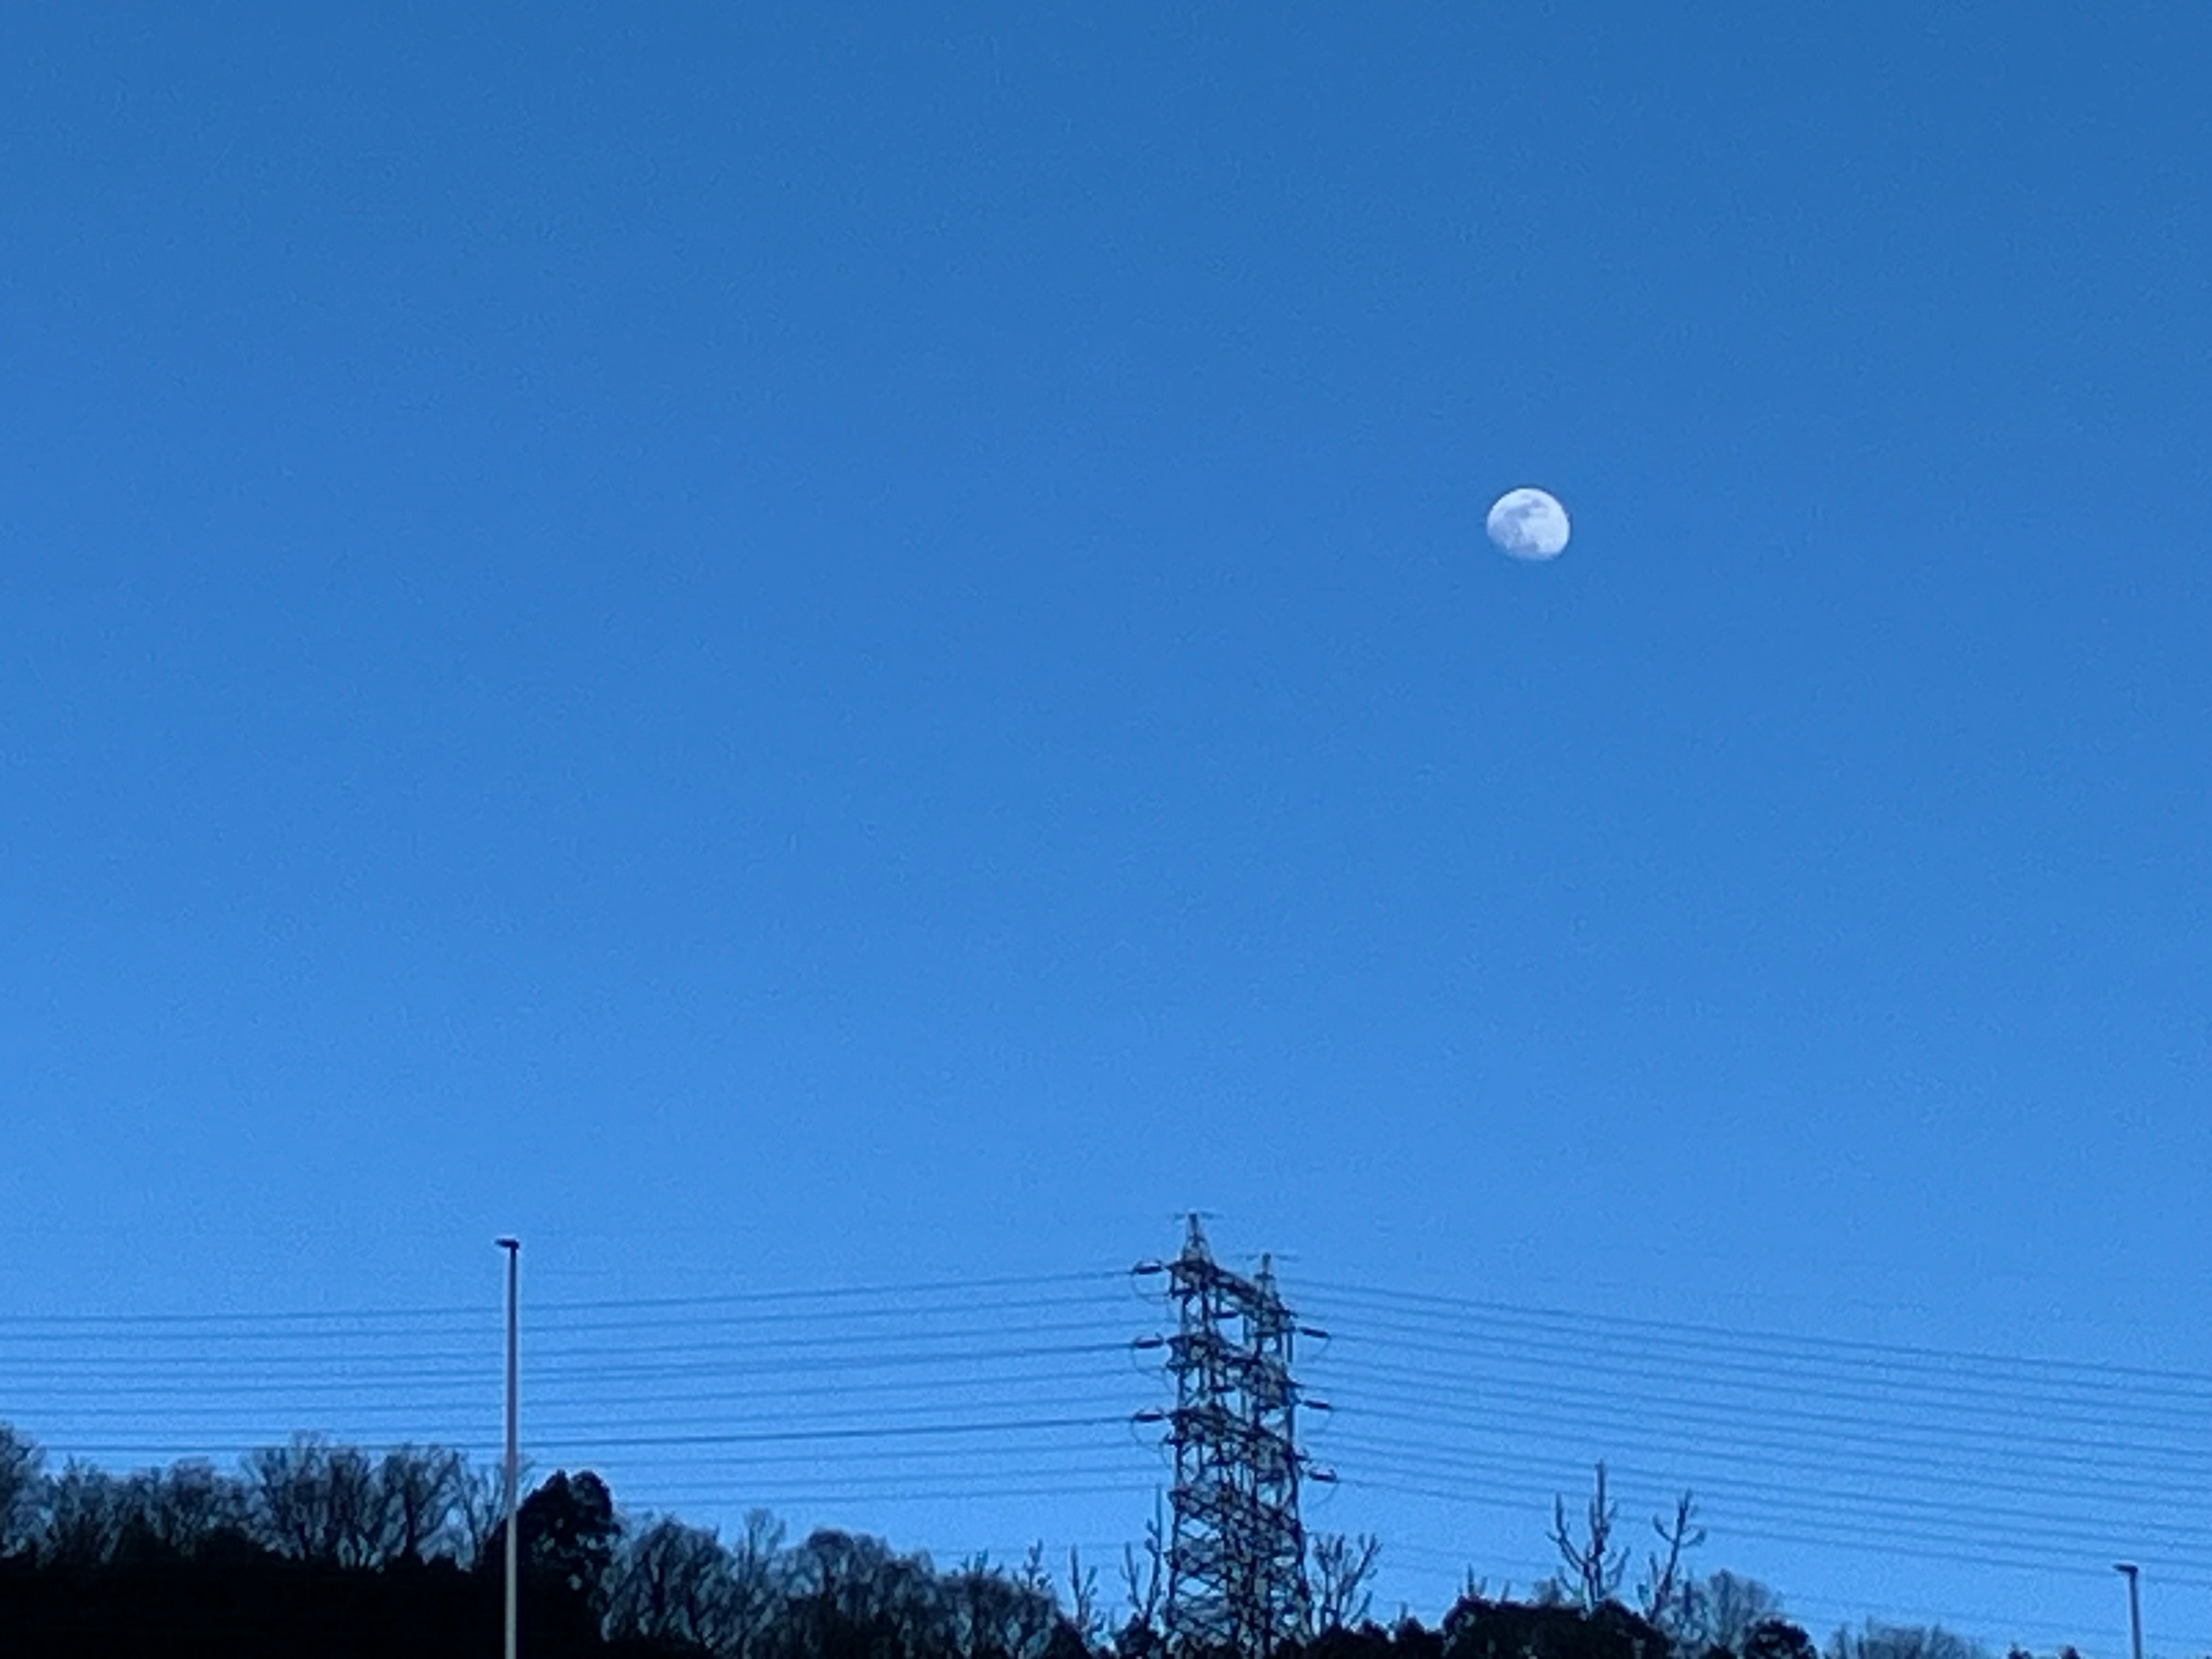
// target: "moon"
[[1528, 524]]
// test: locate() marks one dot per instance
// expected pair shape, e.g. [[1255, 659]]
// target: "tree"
[[317, 1502], [992, 1615], [758, 1585], [1731, 1607], [1368, 1640], [673, 1586], [1144, 1579], [1343, 1575], [183, 1510], [22, 1491], [1509, 1630], [1669, 1597], [1594, 1566], [851, 1598], [478, 1520], [85, 1513], [567, 1531], [1876, 1640], [1775, 1637], [422, 1490], [1084, 1616]]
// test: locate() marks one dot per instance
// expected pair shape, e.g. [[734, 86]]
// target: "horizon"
[[820, 1460]]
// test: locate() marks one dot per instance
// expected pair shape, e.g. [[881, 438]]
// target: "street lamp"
[[513, 1248], [2135, 1606]]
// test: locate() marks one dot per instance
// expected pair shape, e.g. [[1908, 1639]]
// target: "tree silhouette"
[[567, 1532], [23, 1483], [1775, 1637], [1876, 1640], [1731, 1607], [1669, 1598], [314, 1548], [675, 1590], [1476, 1629], [1343, 1571], [1594, 1565]]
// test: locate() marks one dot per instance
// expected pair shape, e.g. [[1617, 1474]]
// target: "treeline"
[[321, 1549], [317, 1549]]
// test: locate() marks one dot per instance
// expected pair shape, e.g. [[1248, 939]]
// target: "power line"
[[1415, 1476], [554, 1369], [597, 1396], [550, 1324], [958, 1287], [1626, 1356], [1745, 1398], [552, 1345], [875, 1433], [1685, 1331], [1819, 1446], [1884, 1543]]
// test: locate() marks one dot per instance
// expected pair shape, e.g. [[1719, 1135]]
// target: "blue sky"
[[784, 650]]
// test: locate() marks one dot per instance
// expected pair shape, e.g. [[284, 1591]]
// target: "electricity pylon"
[[1235, 1555]]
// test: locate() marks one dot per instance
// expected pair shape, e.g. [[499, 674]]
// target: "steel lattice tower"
[[1235, 1553]]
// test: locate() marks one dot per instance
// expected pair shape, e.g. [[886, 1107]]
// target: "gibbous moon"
[[1529, 524]]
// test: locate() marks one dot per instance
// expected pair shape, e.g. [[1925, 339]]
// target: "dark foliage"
[[1778, 1638], [311, 1549], [245, 1599], [1479, 1628]]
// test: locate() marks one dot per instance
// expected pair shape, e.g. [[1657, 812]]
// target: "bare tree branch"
[[1083, 1610], [1344, 1572], [1146, 1585], [1594, 1566], [1669, 1599]]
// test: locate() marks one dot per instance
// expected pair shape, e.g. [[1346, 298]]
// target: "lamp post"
[[513, 1248], [2133, 1575]]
